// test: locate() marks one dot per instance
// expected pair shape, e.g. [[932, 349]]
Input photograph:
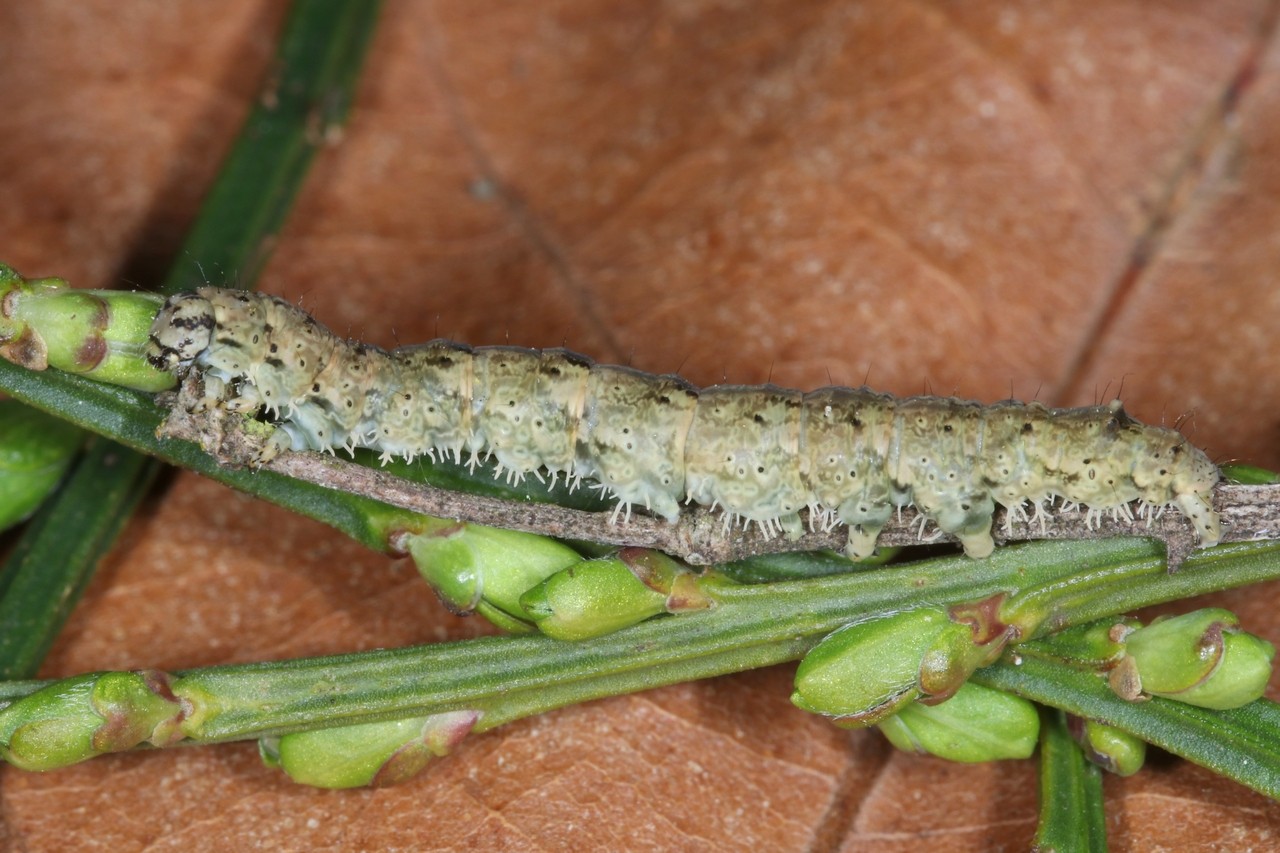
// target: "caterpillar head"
[[1193, 481], [181, 331], [1193, 472], [1171, 470]]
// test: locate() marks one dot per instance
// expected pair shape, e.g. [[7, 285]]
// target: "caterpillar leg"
[[201, 394], [792, 526], [1198, 508], [968, 518], [245, 400], [278, 442], [977, 545], [862, 541], [866, 518]]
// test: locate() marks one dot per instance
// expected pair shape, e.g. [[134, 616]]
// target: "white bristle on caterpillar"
[[758, 453]]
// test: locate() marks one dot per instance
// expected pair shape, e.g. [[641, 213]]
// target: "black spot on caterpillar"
[[758, 453]]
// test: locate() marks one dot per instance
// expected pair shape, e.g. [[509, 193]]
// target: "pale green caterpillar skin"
[[760, 453]]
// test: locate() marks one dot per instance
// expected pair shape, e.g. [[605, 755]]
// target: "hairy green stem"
[[508, 678]]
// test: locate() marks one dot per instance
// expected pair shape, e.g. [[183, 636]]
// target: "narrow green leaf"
[[317, 64], [53, 561], [1240, 744], [1071, 814]]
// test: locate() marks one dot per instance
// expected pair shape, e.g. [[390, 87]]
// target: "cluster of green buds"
[[369, 754], [35, 450], [79, 718], [485, 570], [597, 597], [907, 674], [1201, 658], [866, 672], [977, 724], [1110, 748], [101, 334], [522, 582]]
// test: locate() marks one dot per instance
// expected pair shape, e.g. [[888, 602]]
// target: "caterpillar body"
[[758, 453]]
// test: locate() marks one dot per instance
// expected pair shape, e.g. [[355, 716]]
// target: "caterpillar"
[[758, 453]]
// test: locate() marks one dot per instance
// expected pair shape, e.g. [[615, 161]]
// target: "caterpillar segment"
[[759, 454]]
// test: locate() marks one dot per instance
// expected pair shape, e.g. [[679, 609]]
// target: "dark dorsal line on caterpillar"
[[758, 453]]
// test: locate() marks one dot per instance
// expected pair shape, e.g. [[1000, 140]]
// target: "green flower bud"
[[1201, 658], [1094, 645], [1241, 678], [376, 754], [950, 661], [19, 342], [101, 333], [125, 337], [78, 718], [482, 569], [8, 278], [868, 671], [136, 707], [35, 450], [683, 587], [954, 657], [597, 597], [70, 323], [1108, 747], [976, 724], [51, 728]]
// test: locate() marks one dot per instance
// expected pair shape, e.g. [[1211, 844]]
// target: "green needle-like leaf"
[[1240, 744], [1071, 813], [53, 562], [317, 65]]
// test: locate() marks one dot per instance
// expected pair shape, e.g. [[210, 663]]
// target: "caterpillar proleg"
[[759, 454]]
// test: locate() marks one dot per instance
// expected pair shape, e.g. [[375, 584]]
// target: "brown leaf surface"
[[1050, 198]]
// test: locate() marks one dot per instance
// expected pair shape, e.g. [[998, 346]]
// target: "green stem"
[[1071, 806], [1125, 586], [514, 677], [317, 65]]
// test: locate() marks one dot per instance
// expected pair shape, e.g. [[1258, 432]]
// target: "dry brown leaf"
[[975, 198]]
